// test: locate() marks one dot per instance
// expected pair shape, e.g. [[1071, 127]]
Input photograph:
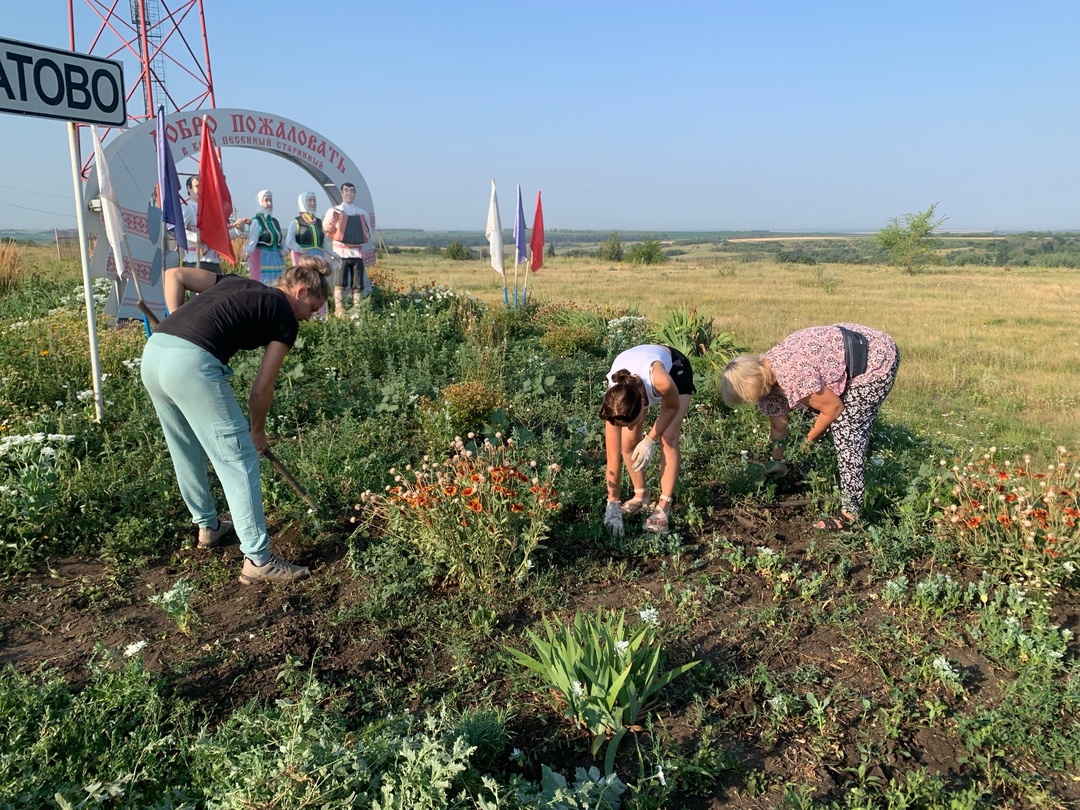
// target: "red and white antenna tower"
[[152, 38]]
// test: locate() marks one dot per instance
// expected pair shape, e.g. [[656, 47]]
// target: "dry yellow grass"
[[990, 355], [11, 265]]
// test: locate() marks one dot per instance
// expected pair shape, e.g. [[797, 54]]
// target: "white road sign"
[[50, 83]]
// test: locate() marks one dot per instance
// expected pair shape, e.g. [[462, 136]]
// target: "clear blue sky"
[[709, 115]]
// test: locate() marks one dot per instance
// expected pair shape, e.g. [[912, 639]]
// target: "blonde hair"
[[746, 379], [310, 272]]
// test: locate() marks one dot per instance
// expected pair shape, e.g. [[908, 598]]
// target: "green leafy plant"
[[686, 330], [176, 602], [467, 404], [590, 791], [479, 515], [606, 676]]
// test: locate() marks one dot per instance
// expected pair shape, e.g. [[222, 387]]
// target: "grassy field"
[[991, 356], [925, 658]]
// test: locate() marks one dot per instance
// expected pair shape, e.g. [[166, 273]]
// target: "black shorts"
[[681, 372], [350, 273], [212, 267]]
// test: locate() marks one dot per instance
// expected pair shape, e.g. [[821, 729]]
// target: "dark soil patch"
[[829, 644]]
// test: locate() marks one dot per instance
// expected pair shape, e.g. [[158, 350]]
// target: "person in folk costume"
[[347, 226], [306, 237], [264, 250]]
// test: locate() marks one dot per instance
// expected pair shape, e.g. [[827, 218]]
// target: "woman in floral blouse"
[[810, 369]]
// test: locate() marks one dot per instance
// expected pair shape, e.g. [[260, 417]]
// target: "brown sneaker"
[[212, 538], [275, 570]]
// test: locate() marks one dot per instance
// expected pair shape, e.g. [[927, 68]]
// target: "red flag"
[[536, 241], [215, 202]]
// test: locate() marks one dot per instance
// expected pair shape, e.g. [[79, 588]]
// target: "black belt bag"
[[856, 352]]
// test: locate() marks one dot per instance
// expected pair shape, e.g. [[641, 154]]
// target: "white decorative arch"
[[132, 159]]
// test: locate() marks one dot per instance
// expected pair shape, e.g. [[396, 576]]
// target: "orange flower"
[[973, 522], [475, 505], [468, 492], [1004, 520], [450, 491], [517, 507], [497, 476]]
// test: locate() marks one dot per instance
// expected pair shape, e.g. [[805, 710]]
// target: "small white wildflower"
[[621, 647], [650, 616], [517, 755], [577, 689], [660, 776], [134, 649]]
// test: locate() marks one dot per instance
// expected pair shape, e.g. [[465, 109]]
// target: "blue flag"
[[519, 231], [172, 215]]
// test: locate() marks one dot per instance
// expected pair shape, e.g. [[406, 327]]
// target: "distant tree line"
[[1029, 249]]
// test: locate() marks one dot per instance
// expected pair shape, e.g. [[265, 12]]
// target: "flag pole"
[[140, 303], [88, 288], [525, 293], [506, 295]]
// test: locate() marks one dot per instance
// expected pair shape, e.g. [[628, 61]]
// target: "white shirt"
[[639, 361]]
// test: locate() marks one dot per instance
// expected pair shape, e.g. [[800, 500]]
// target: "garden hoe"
[[275, 462]]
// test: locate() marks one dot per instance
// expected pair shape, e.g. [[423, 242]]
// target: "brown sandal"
[[637, 503], [841, 522]]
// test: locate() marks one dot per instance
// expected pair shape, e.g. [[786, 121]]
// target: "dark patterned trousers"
[[851, 435]]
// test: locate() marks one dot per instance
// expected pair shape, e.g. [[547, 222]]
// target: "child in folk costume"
[[347, 226], [305, 236], [264, 250]]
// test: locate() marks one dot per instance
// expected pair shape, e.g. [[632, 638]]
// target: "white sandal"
[[658, 521], [637, 503]]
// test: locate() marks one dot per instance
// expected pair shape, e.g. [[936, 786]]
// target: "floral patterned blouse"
[[811, 359]]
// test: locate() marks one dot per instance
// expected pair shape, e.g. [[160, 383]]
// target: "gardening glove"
[[777, 467], [613, 518], [642, 454]]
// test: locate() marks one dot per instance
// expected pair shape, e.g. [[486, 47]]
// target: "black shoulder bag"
[[856, 350]]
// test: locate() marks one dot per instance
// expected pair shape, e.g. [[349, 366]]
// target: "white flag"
[[110, 207], [494, 232]]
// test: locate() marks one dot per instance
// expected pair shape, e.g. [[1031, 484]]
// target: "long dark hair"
[[622, 402]]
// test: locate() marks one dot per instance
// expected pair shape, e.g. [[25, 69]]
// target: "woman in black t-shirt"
[[185, 370]]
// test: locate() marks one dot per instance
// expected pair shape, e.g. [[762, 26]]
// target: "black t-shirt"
[[236, 313]]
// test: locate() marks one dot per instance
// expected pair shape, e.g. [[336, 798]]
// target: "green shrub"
[[612, 249], [458, 252], [648, 252]]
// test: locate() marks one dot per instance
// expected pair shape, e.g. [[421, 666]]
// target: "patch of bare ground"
[[840, 645]]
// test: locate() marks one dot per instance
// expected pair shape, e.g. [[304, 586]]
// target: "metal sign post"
[[46, 82]]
